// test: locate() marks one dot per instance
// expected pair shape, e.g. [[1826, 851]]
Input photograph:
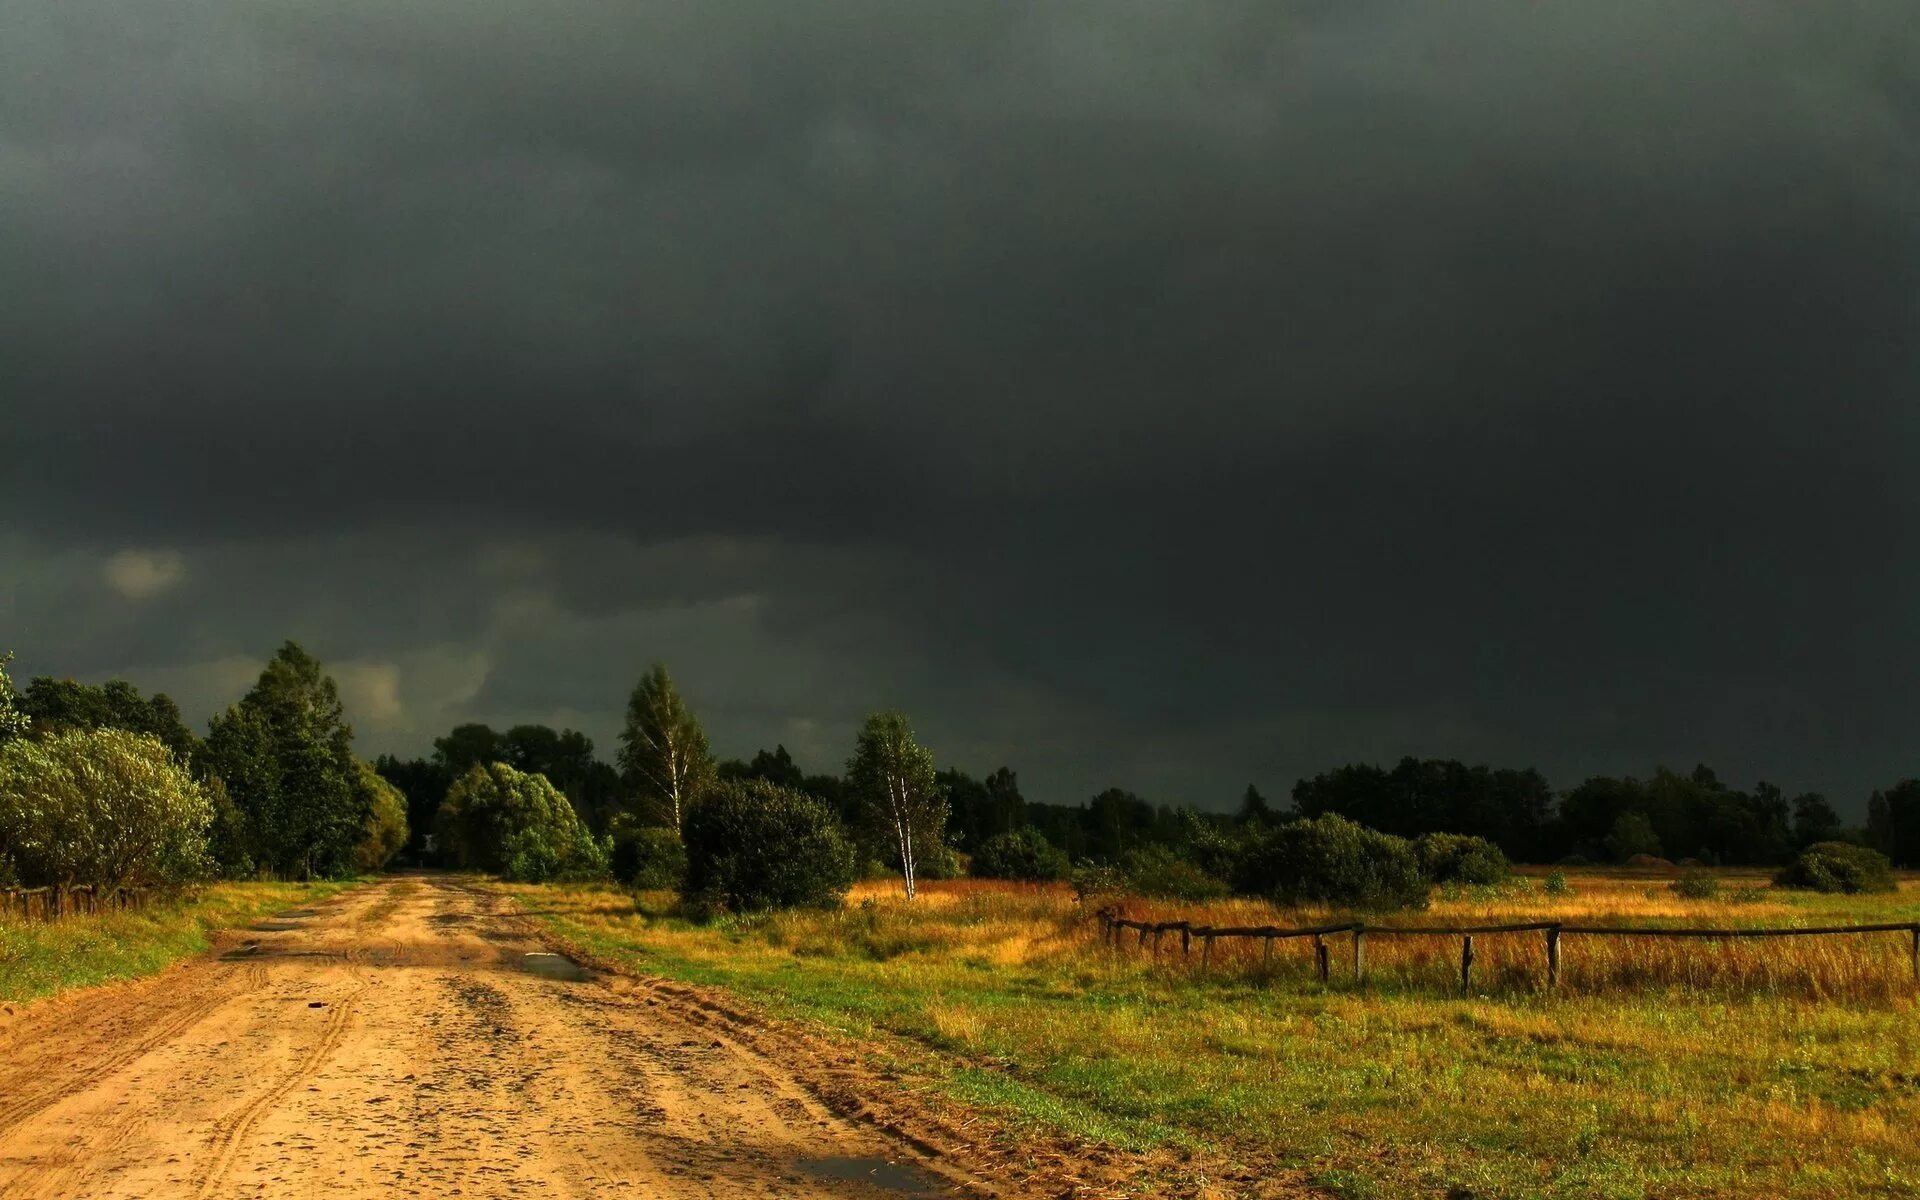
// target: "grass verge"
[[1802, 1082], [42, 958]]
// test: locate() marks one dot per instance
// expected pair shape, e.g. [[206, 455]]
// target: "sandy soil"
[[401, 1040]]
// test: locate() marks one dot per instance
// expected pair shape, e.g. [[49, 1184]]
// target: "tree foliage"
[[647, 857], [892, 777], [100, 806], [1021, 854], [1332, 860], [664, 760], [66, 704], [1458, 858], [754, 845], [385, 832], [516, 825], [14, 722], [286, 754]]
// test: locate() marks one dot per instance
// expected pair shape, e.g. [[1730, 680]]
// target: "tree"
[[66, 704], [1022, 854], [385, 832], [516, 825], [1814, 819], [754, 845], [1331, 860], [1254, 809], [664, 759], [774, 766], [1632, 834], [1893, 822], [14, 722], [100, 806], [892, 777], [423, 781], [286, 754]]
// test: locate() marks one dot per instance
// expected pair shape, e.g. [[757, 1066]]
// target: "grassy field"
[[41, 958], [1775, 1067]]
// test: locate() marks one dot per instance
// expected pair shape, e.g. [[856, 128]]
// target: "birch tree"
[[663, 752], [892, 778]]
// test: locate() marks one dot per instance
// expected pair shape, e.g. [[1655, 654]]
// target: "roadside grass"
[[1783, 1067], [41, 958]]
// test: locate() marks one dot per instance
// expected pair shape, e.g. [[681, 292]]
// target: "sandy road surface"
[[392, 1041]]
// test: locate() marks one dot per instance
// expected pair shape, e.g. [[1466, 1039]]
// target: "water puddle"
[[294, 913], [276, 926], [554, 966], [902, 1178]]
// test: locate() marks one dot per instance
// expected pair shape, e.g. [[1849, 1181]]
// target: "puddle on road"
[[555, 966], [294, 913], [901, 1178], [276, 926]]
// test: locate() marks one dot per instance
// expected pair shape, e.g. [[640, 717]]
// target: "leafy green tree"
[[516, 825], [1632, 834], [753, 845], [1814, 819], [664, 759], [423, 781], [100, 806], [1254, 809], [14, 722], [67, 704], [775, 766], [892, 777], [1021, 854], [1893, 822], [647, 857], [385, 832], [1457, 858], [286, 754]]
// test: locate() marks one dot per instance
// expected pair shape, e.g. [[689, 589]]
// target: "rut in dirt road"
[[409, 1038]]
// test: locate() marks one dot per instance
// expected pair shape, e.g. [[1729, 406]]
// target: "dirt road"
[[408, 1038]]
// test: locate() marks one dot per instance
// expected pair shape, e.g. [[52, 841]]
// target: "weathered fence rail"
[[52, 903], [1112, 925]]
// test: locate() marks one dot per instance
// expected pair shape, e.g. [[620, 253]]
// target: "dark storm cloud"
[[1157, 393]]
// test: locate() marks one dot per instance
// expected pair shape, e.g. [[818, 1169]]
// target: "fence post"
[[1466, 964], [1157, 931], [1186, 940], [1320, 955], [1266, 952], [1206, 951], [1359, 952], [1553, 956]]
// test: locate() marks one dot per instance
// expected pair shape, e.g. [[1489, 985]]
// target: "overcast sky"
[[1159, 394]]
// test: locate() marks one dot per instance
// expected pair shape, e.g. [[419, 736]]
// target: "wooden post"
[[1206, 951], [1157, 931], [1553, 956], [1266, 953], [1359, 953], [1466, 964], [1186, 941], [1320, 955]]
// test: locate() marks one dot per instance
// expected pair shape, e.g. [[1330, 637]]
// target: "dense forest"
[[274, 788]]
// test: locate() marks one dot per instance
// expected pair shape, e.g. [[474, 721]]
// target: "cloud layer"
[[1164, 395]]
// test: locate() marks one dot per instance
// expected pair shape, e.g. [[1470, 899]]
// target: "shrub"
[[518, 826], [1457, 858], [1159, 872], [1098, 881], [384, 833], [1696, 885], [1556, 884], [1332, 860], [755, 845], [101, 806], [1839, 867], [648, 857], [1022, 854]]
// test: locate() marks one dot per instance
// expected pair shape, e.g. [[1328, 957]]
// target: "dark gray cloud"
[[1161, 394]]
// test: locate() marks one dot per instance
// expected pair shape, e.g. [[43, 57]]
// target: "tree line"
[[275, 788]]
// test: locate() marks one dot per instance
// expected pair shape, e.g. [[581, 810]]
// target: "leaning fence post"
[[1359, 952], [1320, 955], [1186, 940], [1466, 964], [1553, 956]]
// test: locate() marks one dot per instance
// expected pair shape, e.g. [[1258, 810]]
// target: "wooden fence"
[[1112, 927], [52, 903]]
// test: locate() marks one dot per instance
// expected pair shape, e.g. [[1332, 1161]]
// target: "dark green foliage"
[[1555, 884], [384, 833], [752, 845], [1458, 858], [1159, 872], [1814, 820], [1511, 808], [1023, 854], [1632, 836], [565, 757], [14, 722], [1893, 822], [424, 782], [1839, 867], [1690, 815], [285, 752], [648, 857], [55, 704], [516, 825], [776, 766], [1331, 860]]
